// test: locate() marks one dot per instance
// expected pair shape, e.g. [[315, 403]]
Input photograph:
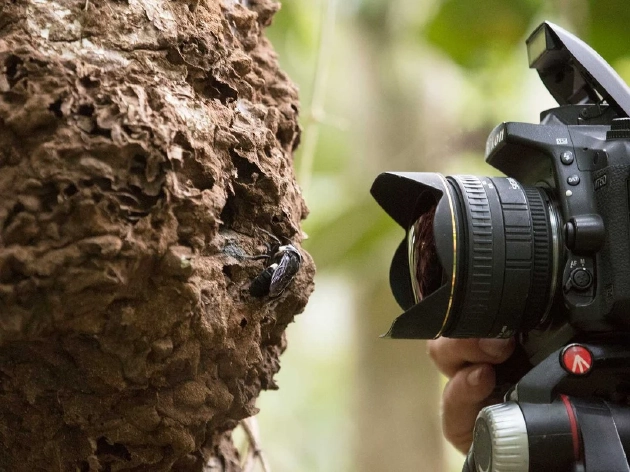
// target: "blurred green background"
[[412, 85]]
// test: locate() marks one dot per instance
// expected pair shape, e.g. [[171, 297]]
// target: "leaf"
[[468, 31]]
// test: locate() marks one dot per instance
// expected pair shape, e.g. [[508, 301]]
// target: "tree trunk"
[[144, 146]]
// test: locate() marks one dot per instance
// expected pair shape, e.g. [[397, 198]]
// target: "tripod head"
[[586, 428]]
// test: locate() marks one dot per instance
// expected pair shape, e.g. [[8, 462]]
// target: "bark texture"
[[144, 144]]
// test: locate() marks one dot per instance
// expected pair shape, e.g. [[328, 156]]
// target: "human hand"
[[468, 363]]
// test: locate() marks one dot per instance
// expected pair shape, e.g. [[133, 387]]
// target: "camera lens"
[[505, 256]]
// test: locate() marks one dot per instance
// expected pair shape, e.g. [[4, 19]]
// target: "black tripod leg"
[[469, 465], [603, 450]]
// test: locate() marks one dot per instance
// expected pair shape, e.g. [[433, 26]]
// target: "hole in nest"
[[112, 207], [228, 214], [86, 109], [18, 208], [243, 323], [56, 108], [70, 190], [88, 82], [156, 222], [285, 135], [246, 170], [48, 195], [138, 164], [11, 65], [102, 132], [183, 141], [104, 448], [213, 88]]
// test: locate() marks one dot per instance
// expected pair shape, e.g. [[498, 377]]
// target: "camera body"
[[581, 155], [542, 254], [574, 272]]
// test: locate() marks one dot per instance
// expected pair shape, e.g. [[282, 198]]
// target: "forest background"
[[412, 85]]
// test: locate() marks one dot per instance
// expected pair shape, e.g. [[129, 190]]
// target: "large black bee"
[[285, 263]]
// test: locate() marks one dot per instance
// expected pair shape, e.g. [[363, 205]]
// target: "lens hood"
[[405, 196]]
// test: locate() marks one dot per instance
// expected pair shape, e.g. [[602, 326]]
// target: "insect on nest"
[[284, 263]]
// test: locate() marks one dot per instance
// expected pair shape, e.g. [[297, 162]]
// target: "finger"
[[464, 396], [451, 355]]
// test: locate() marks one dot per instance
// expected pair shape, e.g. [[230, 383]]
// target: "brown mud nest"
[[144, 147]]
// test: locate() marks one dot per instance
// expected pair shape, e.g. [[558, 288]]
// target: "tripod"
[[568, 413]]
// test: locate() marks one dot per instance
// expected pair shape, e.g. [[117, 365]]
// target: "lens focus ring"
[[506, 257], [481, 276]]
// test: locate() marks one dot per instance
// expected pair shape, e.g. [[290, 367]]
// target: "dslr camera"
[[542, 255]]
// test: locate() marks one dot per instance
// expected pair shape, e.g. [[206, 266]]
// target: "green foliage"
[[472, 54], [296, 21], [345, 239], [608, 32], [374, 13], [468, 31]]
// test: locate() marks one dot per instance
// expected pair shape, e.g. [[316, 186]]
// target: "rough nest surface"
[[144, 144]]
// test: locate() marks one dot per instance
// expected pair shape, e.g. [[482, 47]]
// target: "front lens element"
[[424, 264]]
